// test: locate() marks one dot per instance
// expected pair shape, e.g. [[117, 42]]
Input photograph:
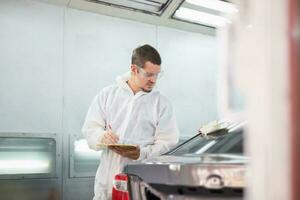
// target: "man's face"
[[145, 78]]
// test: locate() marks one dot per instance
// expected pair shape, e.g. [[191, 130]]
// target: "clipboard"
[[123, 146]]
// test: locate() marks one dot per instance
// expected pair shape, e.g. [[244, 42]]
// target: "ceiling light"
[[218, 5], [200, 17]]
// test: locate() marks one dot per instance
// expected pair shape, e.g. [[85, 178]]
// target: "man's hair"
[[145, 53]]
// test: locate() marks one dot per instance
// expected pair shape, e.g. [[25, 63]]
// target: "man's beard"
[[144, 90], [150, 86]]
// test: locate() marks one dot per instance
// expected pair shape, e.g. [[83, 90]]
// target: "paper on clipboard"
[[123, 146]]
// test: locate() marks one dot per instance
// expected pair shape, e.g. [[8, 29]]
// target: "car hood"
[[198, 159], [191, 170]]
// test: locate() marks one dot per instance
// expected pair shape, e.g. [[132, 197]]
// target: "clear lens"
[[150, 75]]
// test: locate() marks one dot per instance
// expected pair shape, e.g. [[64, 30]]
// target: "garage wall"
[[53, 60], [31, 55], [190, 66]]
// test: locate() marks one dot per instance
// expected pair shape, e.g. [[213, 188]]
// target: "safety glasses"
[[145, 74]]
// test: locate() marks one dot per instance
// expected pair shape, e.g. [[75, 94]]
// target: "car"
[[208, 166]]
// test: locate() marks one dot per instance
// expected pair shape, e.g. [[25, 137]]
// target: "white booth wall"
[[53, 60]]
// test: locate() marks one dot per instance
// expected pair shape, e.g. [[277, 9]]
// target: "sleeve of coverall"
[[166, 135], [94, 125]]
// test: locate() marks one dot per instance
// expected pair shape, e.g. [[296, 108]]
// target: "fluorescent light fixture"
[[24, 166], [82, 149], [200, 17], [152, 6], [218, 5]]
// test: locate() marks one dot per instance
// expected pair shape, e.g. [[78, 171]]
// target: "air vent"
[[147, 6]]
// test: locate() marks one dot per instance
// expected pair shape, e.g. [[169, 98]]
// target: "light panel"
[[83, 160], [82, 150], [195, 16], [27, 156], [24, 166], [218, 5]]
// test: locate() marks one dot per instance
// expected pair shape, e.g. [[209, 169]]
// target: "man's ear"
[[133, 69]]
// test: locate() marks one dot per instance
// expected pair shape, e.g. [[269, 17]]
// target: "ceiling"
[[157, 12]]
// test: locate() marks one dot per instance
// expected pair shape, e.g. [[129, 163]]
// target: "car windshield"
[[219, 142]]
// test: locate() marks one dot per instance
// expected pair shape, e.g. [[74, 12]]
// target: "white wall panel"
[[30, 66], [190, 76]]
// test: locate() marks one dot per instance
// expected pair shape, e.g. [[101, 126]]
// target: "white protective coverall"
[[145, 119]]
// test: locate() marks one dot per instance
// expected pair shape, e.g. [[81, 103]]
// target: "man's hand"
[[109, 137], [132, 153]]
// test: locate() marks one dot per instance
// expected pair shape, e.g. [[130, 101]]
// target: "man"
[[130, 112]]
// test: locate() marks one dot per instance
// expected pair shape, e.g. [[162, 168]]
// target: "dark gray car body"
[[215, 169]]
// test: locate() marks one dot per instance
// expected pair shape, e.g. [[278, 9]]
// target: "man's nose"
[[153, 79]]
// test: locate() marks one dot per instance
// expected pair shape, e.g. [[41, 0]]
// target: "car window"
[[219, 142]]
